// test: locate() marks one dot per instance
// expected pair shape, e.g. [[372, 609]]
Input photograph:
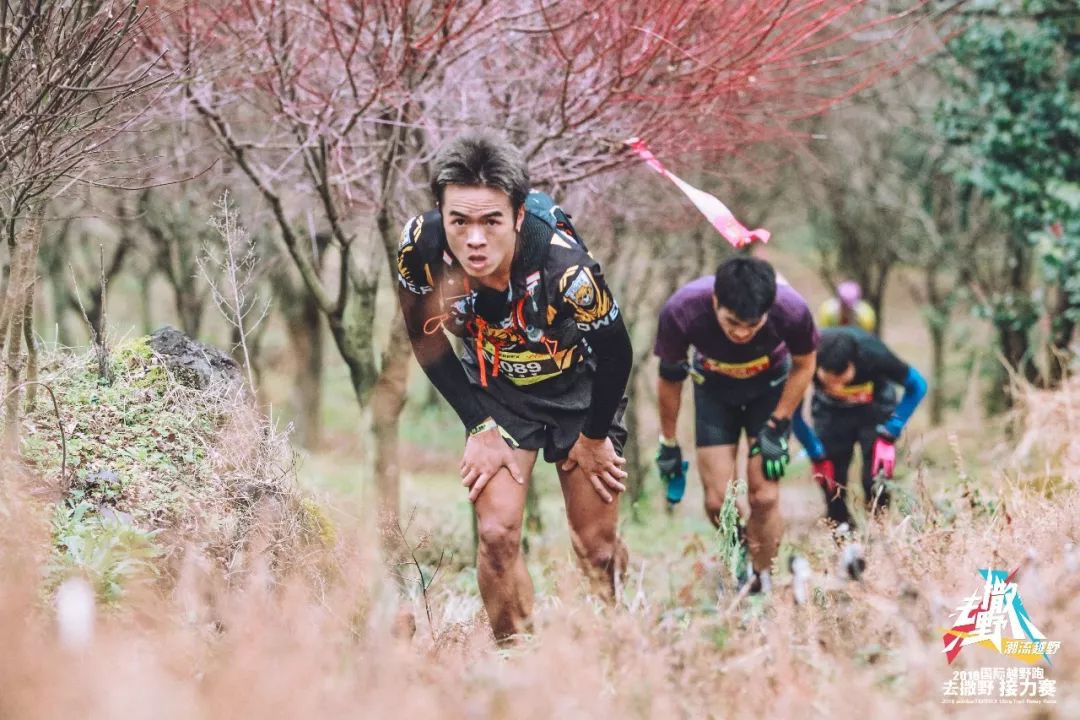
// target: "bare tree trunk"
[[16, 279], [937, 374], [176, 249], [387, 402], [190, 309], [18, 313], [1013, 325], [58, 301], [1058, 352], [146, 315], [1015, 346], [31, 350], [937, 321], [304, 327], [352, 331], [388, 397], [8, 269], [877, 296], [52, 257]]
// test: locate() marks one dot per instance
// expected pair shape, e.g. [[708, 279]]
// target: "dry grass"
[[154, 463], [270, 644], [282, 650], [1052, 431]]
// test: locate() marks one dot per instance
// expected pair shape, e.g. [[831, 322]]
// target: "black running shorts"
[[551, 423], [724, 408]]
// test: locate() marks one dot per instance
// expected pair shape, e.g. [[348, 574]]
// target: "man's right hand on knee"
[[486, 452]]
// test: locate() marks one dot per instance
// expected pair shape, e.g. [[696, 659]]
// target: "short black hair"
[[746, 286], [836, 350], [481, 159]]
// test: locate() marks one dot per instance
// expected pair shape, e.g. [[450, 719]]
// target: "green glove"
[[772, 446]]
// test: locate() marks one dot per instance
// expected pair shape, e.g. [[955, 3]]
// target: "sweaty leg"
[[594, 528], [764, 526], [505, 585], [716, 466], [717, 428]]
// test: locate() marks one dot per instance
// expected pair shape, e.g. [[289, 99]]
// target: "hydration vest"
[[531, 319]]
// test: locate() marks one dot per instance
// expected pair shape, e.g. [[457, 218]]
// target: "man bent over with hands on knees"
[[854, 405], [753, 359], [545, 362]]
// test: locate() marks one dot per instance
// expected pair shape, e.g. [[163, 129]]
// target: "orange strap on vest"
[[479, 326]]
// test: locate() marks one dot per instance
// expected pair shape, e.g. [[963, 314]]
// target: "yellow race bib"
[[739, 371]]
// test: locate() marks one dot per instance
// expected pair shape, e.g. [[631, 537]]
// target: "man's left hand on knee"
[[600, 463]]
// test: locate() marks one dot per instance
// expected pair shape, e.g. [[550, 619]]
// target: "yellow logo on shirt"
[[862, 394], [739, 371], [589, 301]]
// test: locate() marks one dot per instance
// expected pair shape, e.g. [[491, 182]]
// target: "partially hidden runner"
[[854, 405], [545, 362], [753, 345], [847, 309]]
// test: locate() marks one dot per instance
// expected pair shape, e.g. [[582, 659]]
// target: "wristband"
[[884, 433], [488, 424], [781, 425]]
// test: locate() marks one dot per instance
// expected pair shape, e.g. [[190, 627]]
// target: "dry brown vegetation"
[[252, 637]]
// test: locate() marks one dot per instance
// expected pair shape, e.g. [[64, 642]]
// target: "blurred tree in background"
[[1014, 116], [333, 110], [68, 90]]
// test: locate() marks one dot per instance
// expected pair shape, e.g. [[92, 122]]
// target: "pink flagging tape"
[[716, 212]]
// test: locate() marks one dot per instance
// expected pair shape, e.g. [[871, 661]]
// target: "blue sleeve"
[[914, 392], [806, 435]]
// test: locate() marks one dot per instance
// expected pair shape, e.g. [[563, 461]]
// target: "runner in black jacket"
[[545, 363]]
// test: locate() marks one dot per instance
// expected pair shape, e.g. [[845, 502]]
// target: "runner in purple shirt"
[[750, 345]]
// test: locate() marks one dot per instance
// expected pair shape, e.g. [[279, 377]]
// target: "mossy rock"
[[193, 363], [184, 464]]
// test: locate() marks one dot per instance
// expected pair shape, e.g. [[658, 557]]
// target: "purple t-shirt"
[[688, 320]]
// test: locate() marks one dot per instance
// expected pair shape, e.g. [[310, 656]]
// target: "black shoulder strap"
[[543, 206], [431, 244]]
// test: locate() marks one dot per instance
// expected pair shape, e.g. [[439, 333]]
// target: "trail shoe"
[[852, 561], [800, 579], [843, 533], [761, 583]]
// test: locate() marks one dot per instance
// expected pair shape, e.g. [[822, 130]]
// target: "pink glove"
[[825, 474], [884, 458]]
